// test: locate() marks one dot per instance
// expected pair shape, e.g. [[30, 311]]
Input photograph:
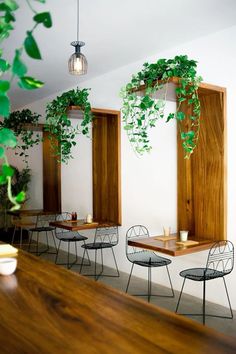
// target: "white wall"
[[149, 183]]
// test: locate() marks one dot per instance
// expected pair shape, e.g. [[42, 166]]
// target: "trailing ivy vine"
[[17, 121], [16, 69], [141, 109], [58, 124]]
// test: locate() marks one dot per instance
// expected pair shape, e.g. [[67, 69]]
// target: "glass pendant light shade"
[[78, 64]]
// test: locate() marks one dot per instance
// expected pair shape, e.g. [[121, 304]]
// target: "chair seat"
[[148, 259], [97, 245], [71, 237], [197, 274], [42, 228]]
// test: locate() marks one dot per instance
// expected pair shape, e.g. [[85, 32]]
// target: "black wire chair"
[[69, 237], [145, 258], [42, 226], [220, 262], [105, 238]]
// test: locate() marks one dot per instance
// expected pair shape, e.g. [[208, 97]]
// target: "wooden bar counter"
[[47, 309]]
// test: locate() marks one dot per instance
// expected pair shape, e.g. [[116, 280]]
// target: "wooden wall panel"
[[202, 179], [106, 166], [51, 178]]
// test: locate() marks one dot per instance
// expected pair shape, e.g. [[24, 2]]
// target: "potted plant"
[[19, 122], [141, 112], [59, 125], [19, 183]]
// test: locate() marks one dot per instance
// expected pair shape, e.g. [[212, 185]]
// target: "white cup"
[[89, 219], [7, 266], [166, 231], [183, 235]]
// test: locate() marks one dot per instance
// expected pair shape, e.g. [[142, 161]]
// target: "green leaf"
[[44, 18], [31, 47], [19, 68], [180, 116], [11, 4], [20, 197], [4, 106], [7, 170], [42, 1], [4, 65], [2, 152], [7, 138], [29, 83], [4, 86], [3, 179]]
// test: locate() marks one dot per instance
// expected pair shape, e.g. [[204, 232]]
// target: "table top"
[[48, 309], [30, 212], [78, 225], [170, 247]]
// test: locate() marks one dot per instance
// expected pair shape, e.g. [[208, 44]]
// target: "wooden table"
[[169, 247], [30, 212], [78, 225], [47, 309]]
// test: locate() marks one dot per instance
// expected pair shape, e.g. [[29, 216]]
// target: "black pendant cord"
[[77, 20]]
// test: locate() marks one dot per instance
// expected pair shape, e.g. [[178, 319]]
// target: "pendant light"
[[77, 63]]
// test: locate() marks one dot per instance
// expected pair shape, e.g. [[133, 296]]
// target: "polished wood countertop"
[[79, 225], [170, 247], [48, 309]]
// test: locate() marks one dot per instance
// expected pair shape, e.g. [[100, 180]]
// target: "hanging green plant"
[[59, 125], [141, 111], [19, 122]]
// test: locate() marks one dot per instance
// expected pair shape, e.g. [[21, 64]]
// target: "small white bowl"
[[7, 265]]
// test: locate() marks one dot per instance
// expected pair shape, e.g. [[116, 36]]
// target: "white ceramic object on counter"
[[7, 266], [89, 219], [183, 235]]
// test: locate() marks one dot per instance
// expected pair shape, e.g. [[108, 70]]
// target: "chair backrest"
[[107, 235], [63, 217], [43, 220], [132, 233], [221, 257]]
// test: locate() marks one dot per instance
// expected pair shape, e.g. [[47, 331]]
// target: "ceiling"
[[116, 32]]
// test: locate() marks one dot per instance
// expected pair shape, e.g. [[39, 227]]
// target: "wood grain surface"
[[47, 309], [202, 192], [51, 177], [106, 166], [171, 247]]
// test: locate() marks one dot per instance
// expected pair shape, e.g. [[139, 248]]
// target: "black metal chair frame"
[[22, 226], [220, 262], [70, 237], [42, 225], [105, 238], [150, 260]]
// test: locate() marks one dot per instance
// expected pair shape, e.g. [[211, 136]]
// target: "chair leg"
[[176, 310], [68, 255], [58, 251], [13, 236], [228, 298], [82, 263], [95, 275], [204, 303], [127, 287], [37, 247], [20, 237], [149, 283], [118, 273], [170, 281], [54, 241], [101, 261], [30, 240]]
